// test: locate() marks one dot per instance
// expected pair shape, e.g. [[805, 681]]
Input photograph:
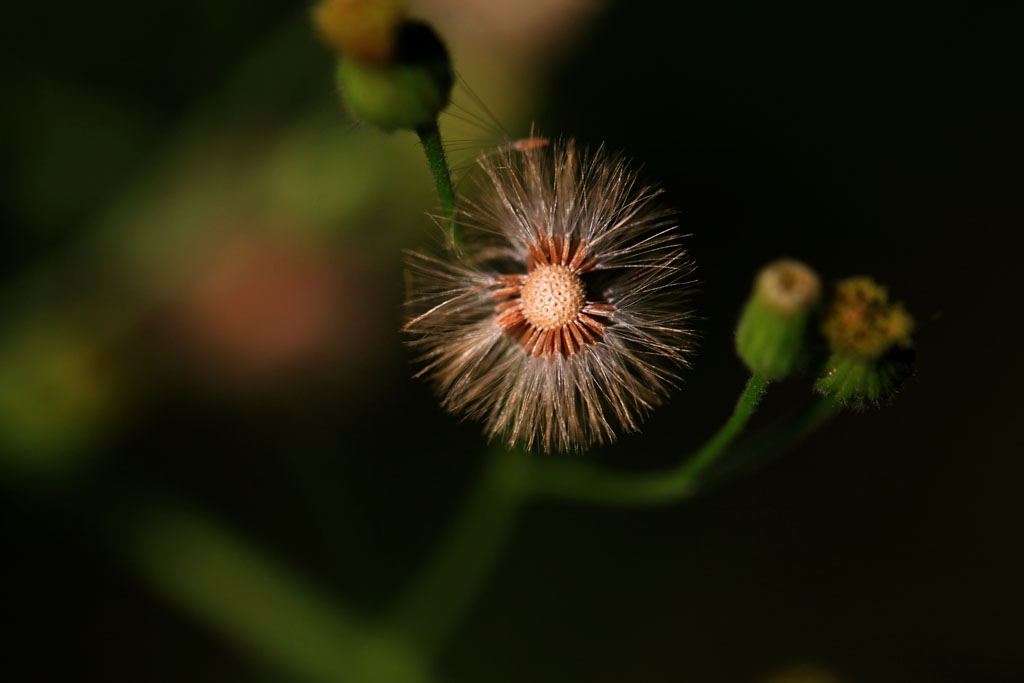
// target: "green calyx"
[[768, 343], [772, 331], [409, 92], [862, 381]]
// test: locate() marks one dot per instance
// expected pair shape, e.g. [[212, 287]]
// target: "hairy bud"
[[870, 343]]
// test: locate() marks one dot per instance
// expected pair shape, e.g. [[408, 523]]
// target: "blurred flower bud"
[[770, 336], [409, 91], [55, 398], [803, 672], [363, 30], [870, 343]]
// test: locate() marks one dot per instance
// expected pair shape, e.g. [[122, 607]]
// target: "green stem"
[[576, 481], [441, 596], [430, 138], [260, 606], [786, 436], [769, 444]]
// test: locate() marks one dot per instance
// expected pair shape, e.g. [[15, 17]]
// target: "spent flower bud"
[[771, 335], [869, 340]]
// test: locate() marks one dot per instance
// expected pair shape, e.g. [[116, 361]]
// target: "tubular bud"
[[870, 343], [771, 335]]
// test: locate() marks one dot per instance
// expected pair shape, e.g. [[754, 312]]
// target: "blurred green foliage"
[[146, 145]]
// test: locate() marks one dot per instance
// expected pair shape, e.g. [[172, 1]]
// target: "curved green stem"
[[576, 481], [442, 594], [777, 440], [430, 138], [440, 597]]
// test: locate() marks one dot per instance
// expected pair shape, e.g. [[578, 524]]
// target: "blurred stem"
[[444, 591], [430, 138], [823, 410], [262, 607], [574, 480]]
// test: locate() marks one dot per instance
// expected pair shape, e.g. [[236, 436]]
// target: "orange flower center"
[[552, 296], [546, 309]]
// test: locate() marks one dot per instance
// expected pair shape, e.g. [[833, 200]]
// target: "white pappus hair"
[[563, 319]]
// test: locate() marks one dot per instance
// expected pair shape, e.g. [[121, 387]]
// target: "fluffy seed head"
[[564, 320]]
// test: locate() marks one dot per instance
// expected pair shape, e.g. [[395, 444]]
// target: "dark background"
[[882, 140]]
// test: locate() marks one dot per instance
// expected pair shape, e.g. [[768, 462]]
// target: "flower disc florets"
[[551, 297], [862, 322], [563, 320]]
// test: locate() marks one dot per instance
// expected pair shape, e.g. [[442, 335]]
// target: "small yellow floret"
[[861, 320]]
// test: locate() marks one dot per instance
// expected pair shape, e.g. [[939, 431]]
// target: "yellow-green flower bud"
[[364, 30], [771, 335], [409, 91], [870, 343]]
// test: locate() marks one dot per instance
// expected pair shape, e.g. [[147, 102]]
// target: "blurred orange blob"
[[264, 307]]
